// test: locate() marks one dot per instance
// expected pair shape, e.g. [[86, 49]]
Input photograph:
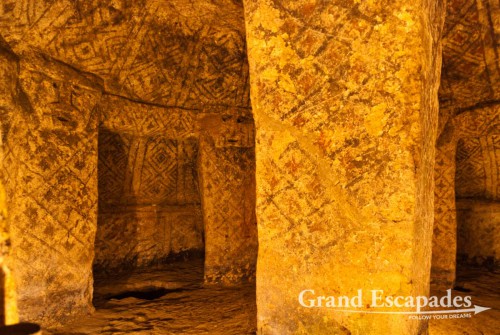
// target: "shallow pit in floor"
[[183, 274]]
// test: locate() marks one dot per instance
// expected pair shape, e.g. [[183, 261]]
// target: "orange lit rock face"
[[149, 201], [51, 154], [470, 73], [78, 140], [469, 85], [227, 175], [478, 233], [176, 53], [467, 126], [8, 85], [344, 147], [128, 138]]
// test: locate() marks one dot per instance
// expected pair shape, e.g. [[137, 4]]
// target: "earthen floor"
[[484, 288], [179, 305], [173, 301]]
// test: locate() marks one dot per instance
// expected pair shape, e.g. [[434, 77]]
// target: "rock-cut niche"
[[149, 197]]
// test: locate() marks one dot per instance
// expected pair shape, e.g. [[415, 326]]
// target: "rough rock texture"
[[471, 71], [482, 286], [185, 308], [176, 53], [160, 66], [343, 94], [192, 311], [477, 172], [227, 174], [467, 126], [8, 106], [149, 201], [50, 161], [478, 233]]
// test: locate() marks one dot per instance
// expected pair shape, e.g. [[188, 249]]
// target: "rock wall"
[[174, 53], [478, 233], [50, 163], [478, 167], [470, 73], [344, 95], [470, 85], [162, 65], [149, 201], [227, 174], [466, 128], [8, 97]]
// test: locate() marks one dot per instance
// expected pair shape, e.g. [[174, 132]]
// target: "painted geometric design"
[[477, 172], [146, 170], [59, 189], [141, 236], [466, 164], [152, 51], [158, 171], [470, 172], [113, 165], [471, 71], [227, 176], [123, 116]]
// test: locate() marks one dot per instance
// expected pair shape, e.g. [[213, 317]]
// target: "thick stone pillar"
[[8, 106], [227, 184], [344, 95], [51, 151]]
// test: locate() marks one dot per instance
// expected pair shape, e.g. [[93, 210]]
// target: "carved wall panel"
[[227, 174], [175, 53], [51, 172]]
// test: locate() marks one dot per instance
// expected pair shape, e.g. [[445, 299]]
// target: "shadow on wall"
[[477, 202], [116, 236]]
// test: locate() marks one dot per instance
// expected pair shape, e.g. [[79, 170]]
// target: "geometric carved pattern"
[[129, 238], [113, 164], [470, 172], [467, 157], [477, 171], [153, 51], [136, 170], [123, 116], [470, 72], [159, 170], [228, 172], [56, 186]]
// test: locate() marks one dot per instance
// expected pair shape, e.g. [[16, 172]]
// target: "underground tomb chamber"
[[129, 151], [112, 187], [169, 193]]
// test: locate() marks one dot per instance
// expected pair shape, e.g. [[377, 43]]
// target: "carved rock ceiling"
[[178, 53], [471, 47]]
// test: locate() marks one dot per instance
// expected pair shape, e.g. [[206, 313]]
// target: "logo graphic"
[[445, 307]]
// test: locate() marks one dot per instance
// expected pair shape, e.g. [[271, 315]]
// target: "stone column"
[[8, 107], [227, 184], [52, 155], [344, 95]]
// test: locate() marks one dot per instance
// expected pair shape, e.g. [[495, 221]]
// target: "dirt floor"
[[172, 300], [484, 288], [167, 301]]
